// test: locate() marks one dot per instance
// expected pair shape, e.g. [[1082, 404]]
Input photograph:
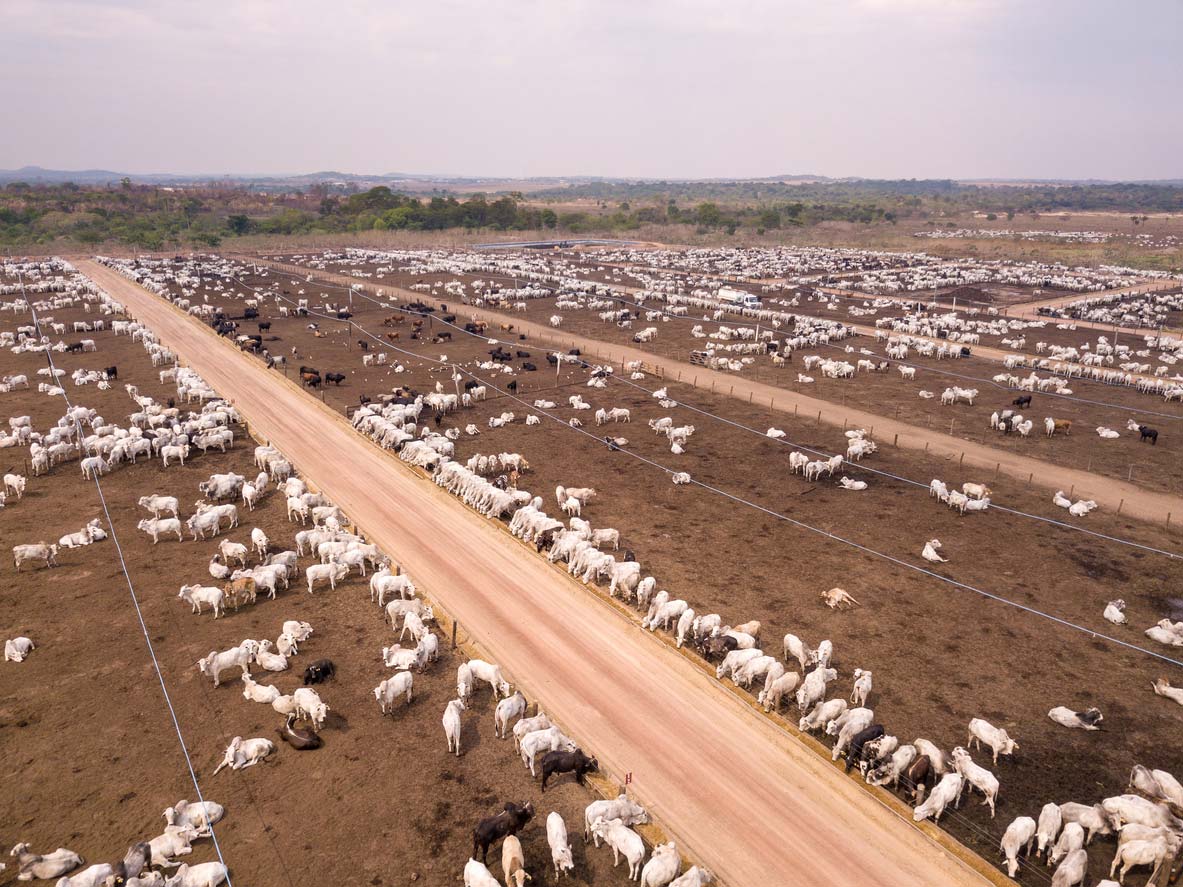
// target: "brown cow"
[[1058, 425], [240, 591], [917, 779]]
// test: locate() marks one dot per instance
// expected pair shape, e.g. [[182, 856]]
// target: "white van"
[[739, 298]]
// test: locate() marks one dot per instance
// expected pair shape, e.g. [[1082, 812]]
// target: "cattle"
[[335, 378], [112, 372], [298, 737], [319, 672], [1148, 434], [1021, 402], [855, 752], [918, 779], [511, 820], [560, 761]]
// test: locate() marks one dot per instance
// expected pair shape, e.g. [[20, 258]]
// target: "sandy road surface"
[[1108, 492], [753, 803]]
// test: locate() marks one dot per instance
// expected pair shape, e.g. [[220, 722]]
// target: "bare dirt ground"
[[734, 811], [91, 757], [746, 564]]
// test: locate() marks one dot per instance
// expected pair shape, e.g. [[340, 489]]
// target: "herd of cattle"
[[1144, 822], [245, 573]]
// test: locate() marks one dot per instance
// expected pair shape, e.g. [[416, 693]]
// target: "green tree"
[[503, 213], [708, 215], [238, 224]]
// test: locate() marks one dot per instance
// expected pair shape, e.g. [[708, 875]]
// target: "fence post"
[[454, 624], [896, 441], [961, 462], [1119, 506], [819, 417]]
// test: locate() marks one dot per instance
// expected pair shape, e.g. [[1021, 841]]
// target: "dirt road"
[[753, 803], [1109, 493]]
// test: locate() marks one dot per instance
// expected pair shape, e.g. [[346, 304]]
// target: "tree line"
[[151, 217]]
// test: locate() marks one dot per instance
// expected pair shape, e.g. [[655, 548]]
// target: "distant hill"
[[467, 183]]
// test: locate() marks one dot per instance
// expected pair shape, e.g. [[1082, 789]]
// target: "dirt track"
[[753, 803], [1139, 503]]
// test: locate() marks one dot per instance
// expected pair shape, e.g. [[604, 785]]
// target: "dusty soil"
[[940, 654], [92, 758]]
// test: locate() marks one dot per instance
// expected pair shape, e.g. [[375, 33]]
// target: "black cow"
[[529, 367], [250, 313], [305, 369], [363, 344], [335, 378], [717, 646], [112, 372], [344, 315], [555, 762], [265, 326], [512, 386], [319, 671], [471, 384], [74, 348], [1021, 402], [1148, 433], [523, 354], [552, 359], [575, 352], [509, 821], [855, 753]]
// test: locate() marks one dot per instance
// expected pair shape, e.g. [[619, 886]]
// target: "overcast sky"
[[654, 88]]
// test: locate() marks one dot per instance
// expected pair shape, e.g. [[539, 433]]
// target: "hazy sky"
[[662, 88]]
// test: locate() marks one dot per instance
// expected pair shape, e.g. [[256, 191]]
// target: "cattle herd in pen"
[[430, 409]]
